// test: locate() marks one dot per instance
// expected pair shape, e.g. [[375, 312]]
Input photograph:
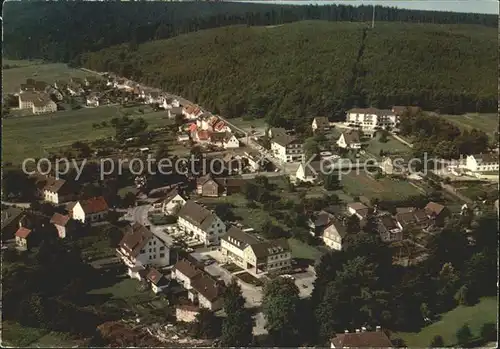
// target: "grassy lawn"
[[475, 316], [259, 124], [95, 245], [392, 146], [249, 279], [13, 334], [384, 188], [29, 136], [48, 72], [484, 122], [303, 250]]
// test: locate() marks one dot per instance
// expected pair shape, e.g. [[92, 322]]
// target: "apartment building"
[[287, 148], [371, 118], [201, 223], [38, 102]]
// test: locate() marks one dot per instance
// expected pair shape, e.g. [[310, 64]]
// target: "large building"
[[287, 148], [201, 223], [38, 102], [250, 253], [480, 163], [140, 249], [53, 190], [361, 339], [371, 118]]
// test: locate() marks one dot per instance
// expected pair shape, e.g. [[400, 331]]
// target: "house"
[[38, 102], [54, 190], [90, 210], [371, 118], [74, 89], [140, 248], [248, 252], [389, 229], [437, 212], [23, 238], [309, 172], [62, 223], [350, 140], [201, 136], [220, 126], [214, 187], [320, 123], [10, 222], [92, 100], [359, 209], [174, 111], [224, 140], [173, 202], [183, 137], [480, 163], [203, 224], [412, 218], [328, 228], [361, 339], [157, 280], [287, 148], [191, 112], [256, 160], [275, 131], [184, 271], [411, 110], [392, 165], [170, 103]]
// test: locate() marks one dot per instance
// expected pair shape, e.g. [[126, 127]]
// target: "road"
[[17, 204]]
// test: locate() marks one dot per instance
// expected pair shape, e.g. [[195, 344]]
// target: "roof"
[[203, 135], [351, 136], [218, 136], [59, 219], [338, 225], [50, 183], [187, 268], [135, 238], [176, 110], [172, 194], [39, 99], [267, 248], [322, 121], [486, 158], [359, 207], [154, 276], [377, 339], [399, 109], [10, 214], [283, 139], [371, 110], [417, 216], [191, 109], [219, 125], [197, 215], [94, 205], [433, 208], [23, 232], [387, 223], [308, 168], [238, 238], [208, 287], [322, 219], [277, 130]]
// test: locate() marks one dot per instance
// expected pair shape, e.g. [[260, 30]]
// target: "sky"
[[475, 6]]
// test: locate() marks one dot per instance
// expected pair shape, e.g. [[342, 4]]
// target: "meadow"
[[484, 122]]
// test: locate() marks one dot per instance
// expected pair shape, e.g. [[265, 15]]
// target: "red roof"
[[219, 126], [192, 127], [23, 232], [59, 219], [203, 135], [94, 205]]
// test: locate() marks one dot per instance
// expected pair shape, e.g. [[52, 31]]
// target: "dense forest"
[[61, 30], [299, 70]]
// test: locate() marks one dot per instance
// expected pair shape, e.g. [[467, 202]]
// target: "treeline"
[[60, 31], [296, 71]]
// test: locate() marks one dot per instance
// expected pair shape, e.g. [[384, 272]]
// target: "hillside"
[[315, 67]]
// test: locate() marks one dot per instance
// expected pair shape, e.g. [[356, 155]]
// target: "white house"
[[287, 148], [191, 112], [90, 210], [173, 202], [482, 163], [92, 100], [371, 118], [169, 103], [350, 140], [250, 253], [53, 190], [157, 280], [329, 229], [320, 123], [224, 140], [38, 102], [62, 224], [140, 248], [358, 209], [203, 224], [310, 172], [255, 160]]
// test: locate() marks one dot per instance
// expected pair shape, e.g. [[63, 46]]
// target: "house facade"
[[157, 280], [480, 163], [320, 124], [62, 224], [371, 118], [173, 202], [38, 102], [287, 148], [329, 229], [53, 190], [22, 238], [310, 172], [349, 140], [91, 210], [201, 223]]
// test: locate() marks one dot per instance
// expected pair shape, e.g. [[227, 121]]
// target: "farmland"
[[484, 122]]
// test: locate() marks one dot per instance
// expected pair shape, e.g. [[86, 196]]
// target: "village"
[[184, 242]]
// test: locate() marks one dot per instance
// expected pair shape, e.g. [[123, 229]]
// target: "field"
[[31, 136], [484, 122], [12, 78], [303, 251], [384, 188], [392, 146], [475, 317], [16, 335]]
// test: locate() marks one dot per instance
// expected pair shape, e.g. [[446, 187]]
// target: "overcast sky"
[[476, 6]]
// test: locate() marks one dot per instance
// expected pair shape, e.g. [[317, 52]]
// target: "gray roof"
[[197, 215], [269, 248], [486, 158], [284, 139], [9, 214], [371, 111], [237, 237]]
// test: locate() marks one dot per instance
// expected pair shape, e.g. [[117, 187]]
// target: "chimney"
[[357, 330], [377, 328], [363, 329]]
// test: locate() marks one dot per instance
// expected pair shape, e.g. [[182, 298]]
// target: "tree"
[[129, 200], [207, 325], [353, 224], [331, 182], [464, 335], [437, 342], [465, 296], [311, 148], [162, 151], [383, 136], [280, 305], [489, 332], [237, 327]]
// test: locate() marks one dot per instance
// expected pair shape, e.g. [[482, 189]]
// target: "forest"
[[293, 72]]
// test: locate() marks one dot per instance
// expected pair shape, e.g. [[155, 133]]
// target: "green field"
[[392, 146], [484, 122], [303, 250], [31, 136], [475, 317], [12, 78], [13, 334]]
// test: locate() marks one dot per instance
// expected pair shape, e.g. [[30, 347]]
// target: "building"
[[224, 140], [359, 209], [371, 118], [201, 223], [140, 248], [93, 100], [480, 163], [214, 187], [191, 112], [412, 218], [411, 110], [170, 103], [10, 222], [350, 140], [275, 131], [287, 148], [203, 290], [23, 238], [173, 202], [62, 223], [53, 190], [90, 210], [361, 339], [389, 229], [38, 102], [321, 124], [310, 172], [437, 212], [392, 165], [329, 229], [256, 161], [248, 252], [157, 280]]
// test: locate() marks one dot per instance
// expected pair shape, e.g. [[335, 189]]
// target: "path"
[[450, 189], [402, 140], [18, 204]]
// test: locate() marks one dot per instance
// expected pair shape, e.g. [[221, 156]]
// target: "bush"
[[489, 332]]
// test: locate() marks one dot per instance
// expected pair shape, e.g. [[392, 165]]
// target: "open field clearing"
[[484, 122]]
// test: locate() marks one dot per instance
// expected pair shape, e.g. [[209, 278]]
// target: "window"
[[150, 250], [162, 255], [143, 250], [162, 248], [154, 242]]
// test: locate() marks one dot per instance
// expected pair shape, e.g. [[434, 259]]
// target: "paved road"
[[18, 204]]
